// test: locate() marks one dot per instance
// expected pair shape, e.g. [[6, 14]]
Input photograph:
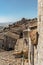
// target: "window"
[[21, 35]]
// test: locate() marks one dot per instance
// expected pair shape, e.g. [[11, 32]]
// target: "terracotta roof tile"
[[12, 35]]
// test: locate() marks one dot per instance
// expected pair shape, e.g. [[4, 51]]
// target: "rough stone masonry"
[[40, 31]]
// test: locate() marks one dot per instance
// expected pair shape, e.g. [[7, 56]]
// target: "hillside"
[[21, 25]]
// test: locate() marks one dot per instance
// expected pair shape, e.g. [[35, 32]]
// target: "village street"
[[7, 58]]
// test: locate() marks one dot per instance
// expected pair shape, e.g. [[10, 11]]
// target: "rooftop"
[[12, 35]]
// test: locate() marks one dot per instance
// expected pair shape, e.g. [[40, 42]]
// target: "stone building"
[[31, 36], [1, 41], [10, 40], [40, 31], [21, 51], [28, 44]]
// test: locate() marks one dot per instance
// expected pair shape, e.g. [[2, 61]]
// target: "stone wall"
[[21, 45], [40, 31]]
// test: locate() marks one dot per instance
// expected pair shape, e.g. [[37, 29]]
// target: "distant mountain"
[[23, 24], [5, 24], [1, 27]]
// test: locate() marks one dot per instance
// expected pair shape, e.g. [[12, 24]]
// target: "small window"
[[21, 35], [33, 27], [2, 45]]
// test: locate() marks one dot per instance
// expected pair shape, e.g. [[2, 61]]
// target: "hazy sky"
[[12, 10]]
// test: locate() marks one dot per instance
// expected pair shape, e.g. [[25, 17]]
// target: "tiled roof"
[[1, 36], [32, 24], [12, 35]]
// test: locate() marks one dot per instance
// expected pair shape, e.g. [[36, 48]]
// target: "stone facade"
[[40, 31], [21, 45], [10, 40], [9, 43]]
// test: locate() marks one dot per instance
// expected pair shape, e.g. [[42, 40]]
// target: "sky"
[[13, 10]]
